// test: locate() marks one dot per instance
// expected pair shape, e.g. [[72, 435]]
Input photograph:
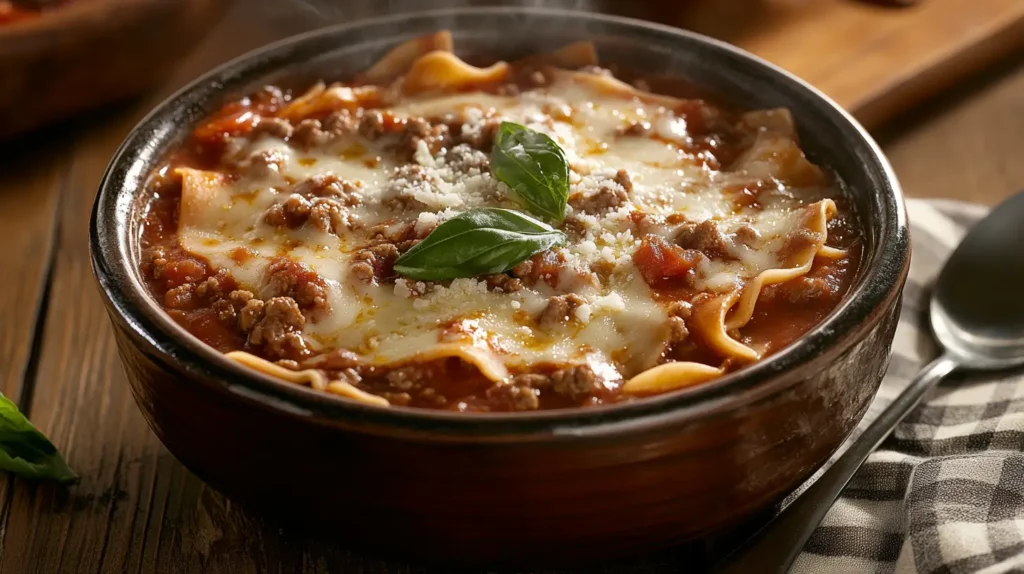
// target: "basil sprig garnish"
[[477, 242], [27, 452], [534, 167]]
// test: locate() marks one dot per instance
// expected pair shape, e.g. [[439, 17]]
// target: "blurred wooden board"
[[873, 59], [876, 60]]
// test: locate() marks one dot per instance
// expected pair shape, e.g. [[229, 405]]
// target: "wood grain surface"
[[139, 510], [873, 59]]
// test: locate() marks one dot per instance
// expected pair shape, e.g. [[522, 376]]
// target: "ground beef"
[[574, 228], [399, 195], [502, 283], [309, 134], [277, 329], [514, 397], [374, 264], [559, 310], [704, 237], [545, 266], [274, 127], [250, 314], [186, 283], [602, 269], [622, 178], [216, 286], [681, 309], [435, 136], [228, 307], [748, 235], [328, 216], [225, 311], [464, 159], [677, 331], [477, 134], [240, 297], [371, 126], [330, 186], [340, 122], [287, 278], [575, 383], [263, 163], [611, 195], [291, 213], [325, 215], [180, 297]]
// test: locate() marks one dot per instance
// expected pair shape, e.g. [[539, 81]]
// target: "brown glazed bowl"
[[91, 52], [529, 487]]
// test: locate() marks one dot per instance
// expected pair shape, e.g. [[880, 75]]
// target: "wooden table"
[[137, 509]]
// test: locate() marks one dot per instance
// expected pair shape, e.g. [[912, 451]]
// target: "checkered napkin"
[[945, 493]]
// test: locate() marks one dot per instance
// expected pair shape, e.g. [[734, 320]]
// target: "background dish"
[[620, 479], [90, 52]]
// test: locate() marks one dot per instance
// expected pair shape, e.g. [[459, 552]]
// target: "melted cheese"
[[619, 330]]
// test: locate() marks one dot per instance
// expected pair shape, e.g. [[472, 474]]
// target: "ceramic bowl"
[[533, 487]]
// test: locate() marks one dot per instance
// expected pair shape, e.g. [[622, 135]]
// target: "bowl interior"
[[830, 137]]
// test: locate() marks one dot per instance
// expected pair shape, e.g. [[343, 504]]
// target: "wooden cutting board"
[[875, 60]]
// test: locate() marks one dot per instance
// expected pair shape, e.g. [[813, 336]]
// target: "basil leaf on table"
[[477, 242], [534, 167], [25, 451]]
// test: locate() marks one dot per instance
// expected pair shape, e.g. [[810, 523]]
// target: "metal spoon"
[[977, 315]]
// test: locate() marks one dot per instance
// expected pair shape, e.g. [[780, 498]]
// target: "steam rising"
[[337, 11]]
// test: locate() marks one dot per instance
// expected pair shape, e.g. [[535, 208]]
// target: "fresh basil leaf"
[[477, 242], [534, 167], [25, 451]]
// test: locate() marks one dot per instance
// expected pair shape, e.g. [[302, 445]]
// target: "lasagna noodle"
[[401, 58], [312, 377], [671, 376], [444, 71]]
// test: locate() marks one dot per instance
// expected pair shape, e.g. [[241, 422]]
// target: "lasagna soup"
[[528, 235]]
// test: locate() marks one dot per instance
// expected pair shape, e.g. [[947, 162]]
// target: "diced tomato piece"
[[661, 263], [233, 124]]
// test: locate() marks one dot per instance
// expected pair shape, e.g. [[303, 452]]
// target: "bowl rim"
[[883, 272]]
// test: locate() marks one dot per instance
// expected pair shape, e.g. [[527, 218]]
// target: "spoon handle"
[[775, 546]]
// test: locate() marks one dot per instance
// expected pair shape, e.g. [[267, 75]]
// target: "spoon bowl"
[[977, 315], [977, 308]]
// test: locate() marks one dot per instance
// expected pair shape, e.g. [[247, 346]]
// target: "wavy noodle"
[[671, 376], [485, 361], [708, 319], [312, 377], [612, 86], [776, 120], [199, 189], [320, 99], [400, 59], [821, 212], [445, 71], [832, 253]]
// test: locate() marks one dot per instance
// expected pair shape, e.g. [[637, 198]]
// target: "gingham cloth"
[[945, 493]]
